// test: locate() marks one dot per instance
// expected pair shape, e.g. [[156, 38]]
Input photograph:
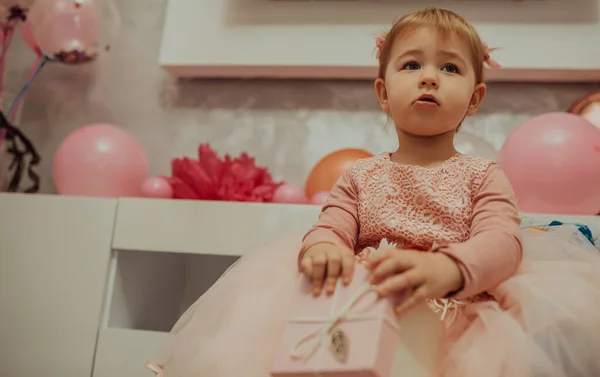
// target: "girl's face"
[[429, 86]]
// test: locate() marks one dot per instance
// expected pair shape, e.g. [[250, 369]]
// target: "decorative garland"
[[24, 159]]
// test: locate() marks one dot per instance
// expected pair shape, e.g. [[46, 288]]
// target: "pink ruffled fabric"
[[545, 321]]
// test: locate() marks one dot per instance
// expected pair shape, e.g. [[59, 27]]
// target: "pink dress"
[[529, 306]]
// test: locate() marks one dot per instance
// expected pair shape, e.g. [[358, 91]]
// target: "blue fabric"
[[584, 229]]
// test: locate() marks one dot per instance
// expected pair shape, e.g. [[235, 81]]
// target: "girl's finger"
[[396, 263], [403, 282], [306, 266], [374, 259], [411, 301], [348, 261], [319, 263], [334, 269]]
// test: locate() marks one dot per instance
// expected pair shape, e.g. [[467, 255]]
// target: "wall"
[[287, 125]]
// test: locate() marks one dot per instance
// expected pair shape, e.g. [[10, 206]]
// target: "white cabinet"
[[54, 253], [90, 287], [166, 254]]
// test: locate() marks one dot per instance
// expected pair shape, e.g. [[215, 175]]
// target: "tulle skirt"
[[543, 321]]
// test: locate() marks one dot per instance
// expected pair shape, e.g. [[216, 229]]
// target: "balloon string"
[[2, 55], [3, 133], [41, 62], [6, 38]]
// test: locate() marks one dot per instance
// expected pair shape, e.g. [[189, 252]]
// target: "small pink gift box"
[[353, 333]]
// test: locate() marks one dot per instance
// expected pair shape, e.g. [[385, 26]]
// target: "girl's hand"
[[417, 274], [324, 263]]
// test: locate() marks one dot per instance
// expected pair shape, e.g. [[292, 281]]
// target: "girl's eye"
[[450, 68], [411, 66]]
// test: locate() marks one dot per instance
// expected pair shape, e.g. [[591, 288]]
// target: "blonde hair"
[[445, 22]]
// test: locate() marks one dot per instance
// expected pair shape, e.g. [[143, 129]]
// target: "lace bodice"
[[413, 206]]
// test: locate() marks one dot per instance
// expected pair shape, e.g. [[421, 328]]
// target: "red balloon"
[[329, 169]]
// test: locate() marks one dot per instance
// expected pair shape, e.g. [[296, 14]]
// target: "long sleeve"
[[338, 221], [494, 250]]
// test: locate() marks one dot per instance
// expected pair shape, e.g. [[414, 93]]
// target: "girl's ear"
[[476, 99], [382, 95]]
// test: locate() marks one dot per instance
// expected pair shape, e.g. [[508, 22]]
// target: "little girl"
[[521, 303]]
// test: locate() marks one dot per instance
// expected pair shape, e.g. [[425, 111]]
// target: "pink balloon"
[[290, 194], [100, 160], [157, 187], [29, 39], [71, 31], [320, 198], [553, 163]]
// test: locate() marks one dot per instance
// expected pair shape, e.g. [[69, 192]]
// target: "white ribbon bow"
[[446, 306], [155, 368]]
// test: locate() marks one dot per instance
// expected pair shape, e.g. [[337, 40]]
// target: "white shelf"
[[151, 290], [206, 227], [552, 40]]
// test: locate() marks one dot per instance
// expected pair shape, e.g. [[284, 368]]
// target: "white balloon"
[[472, 145]]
